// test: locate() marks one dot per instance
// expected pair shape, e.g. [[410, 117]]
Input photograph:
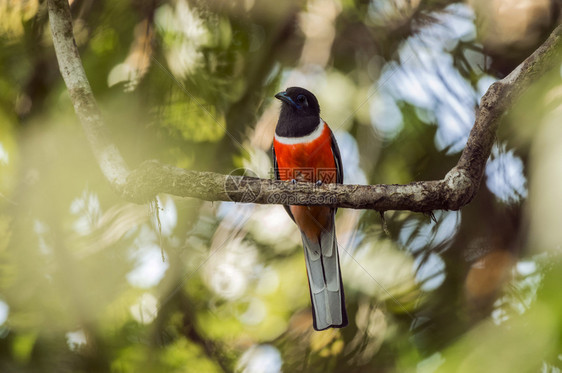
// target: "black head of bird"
[[300, 112]]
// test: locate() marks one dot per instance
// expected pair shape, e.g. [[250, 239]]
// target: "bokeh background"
[[90, 283]]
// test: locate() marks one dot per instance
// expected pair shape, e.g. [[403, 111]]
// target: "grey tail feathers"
[[324, 280]]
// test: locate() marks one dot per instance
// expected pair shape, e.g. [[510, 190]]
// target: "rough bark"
[[455, 190]]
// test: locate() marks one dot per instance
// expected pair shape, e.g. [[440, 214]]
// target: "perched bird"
[[305, 149]]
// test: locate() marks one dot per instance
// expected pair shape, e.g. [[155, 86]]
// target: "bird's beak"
[[283, 97]]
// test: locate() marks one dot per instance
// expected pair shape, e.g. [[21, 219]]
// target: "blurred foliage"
[[89, 283]]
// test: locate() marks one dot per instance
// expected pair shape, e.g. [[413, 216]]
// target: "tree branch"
[[108, 156], [455, 190]]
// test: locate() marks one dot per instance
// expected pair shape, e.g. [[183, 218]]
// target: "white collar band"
[[303, 139]]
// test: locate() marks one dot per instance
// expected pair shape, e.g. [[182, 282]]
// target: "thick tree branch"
[[452, 192]]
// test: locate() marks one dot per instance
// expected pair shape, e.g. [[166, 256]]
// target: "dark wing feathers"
[[337, 158]]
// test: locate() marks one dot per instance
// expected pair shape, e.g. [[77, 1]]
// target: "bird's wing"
[[337, 158]]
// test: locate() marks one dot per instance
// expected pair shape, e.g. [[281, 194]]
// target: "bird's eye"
[[301, 99]]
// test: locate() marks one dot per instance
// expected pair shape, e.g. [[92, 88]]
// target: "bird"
[[305, 150]]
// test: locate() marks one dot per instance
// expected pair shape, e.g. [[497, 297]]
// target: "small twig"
[[384, 225], [155, 209]]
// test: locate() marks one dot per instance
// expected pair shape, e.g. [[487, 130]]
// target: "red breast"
[[308, 158]]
